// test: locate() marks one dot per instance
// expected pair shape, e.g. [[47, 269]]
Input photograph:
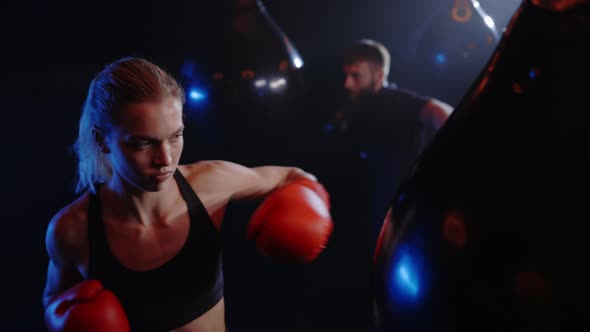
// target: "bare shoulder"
[[67, 247], [226, 180], [440, 105], [203, 166], [435, 112], [208, 170], [66, 233]]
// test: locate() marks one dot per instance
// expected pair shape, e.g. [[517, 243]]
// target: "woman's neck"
[[134, 204]]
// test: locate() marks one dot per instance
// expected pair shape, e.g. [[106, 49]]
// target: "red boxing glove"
[[293, 223], [315, 186], [87, 307]]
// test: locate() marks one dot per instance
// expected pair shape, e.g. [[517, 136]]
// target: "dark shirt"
[[375, 143]]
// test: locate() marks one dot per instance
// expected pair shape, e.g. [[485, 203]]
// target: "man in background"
[[382, 128]]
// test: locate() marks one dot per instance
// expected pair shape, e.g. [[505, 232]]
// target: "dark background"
[[51, 50]]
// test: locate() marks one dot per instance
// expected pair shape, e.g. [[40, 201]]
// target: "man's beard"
[[361, 98], [356, 105]]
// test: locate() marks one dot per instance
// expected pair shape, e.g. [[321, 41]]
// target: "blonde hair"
[[123, 82]]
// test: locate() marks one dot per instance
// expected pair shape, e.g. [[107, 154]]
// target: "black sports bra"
[[174, 293]]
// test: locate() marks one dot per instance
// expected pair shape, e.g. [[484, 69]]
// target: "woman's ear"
[[100, 140]]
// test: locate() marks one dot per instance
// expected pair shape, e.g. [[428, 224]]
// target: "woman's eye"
[[140, 144]]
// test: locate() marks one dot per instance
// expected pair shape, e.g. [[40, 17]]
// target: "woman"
[[145, 226]]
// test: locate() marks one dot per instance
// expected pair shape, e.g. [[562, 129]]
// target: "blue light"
[[405, 279], [401, 197], [532, 74], [197, 95], [440, 58], [364, 155], [197, 98], [188, 68]]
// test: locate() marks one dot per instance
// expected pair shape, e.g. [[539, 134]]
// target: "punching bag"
[[489, 232], [251, 71]]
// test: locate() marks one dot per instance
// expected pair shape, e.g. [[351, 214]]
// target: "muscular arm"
[[234, 181], [65, 249], [217, 182], [259, 181], [59, 278], [435, 113]]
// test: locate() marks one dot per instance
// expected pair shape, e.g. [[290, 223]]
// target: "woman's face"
[[146, 143]]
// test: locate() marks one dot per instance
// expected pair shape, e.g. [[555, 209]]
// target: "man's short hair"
[[371, 51]]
